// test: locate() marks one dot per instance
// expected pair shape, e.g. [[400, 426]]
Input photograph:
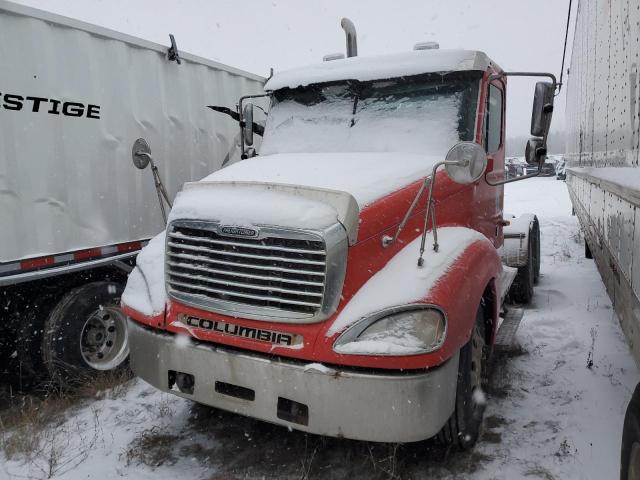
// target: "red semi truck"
[[350, 280]]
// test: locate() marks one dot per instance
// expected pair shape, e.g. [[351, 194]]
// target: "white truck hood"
[[366, 176], [259, 203]]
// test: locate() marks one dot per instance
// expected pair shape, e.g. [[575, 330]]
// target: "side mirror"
[[542, 108], [466, 162], [535, 151], [140, 153], [247, 129]]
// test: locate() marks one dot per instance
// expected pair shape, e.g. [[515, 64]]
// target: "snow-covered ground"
[[549, 416]]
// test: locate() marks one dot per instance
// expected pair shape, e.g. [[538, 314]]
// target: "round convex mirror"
[[466, 162], [140, 153]]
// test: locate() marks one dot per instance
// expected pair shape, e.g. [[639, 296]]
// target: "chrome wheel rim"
[[634, 462], [104, 340]]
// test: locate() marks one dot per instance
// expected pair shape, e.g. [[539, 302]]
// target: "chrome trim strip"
[[242, 274], [245, 265], [249, 286], [245, 295], [243, 255], [246, 245]]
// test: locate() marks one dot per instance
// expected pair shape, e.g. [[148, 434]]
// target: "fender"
[[461, 290], [445, 282]]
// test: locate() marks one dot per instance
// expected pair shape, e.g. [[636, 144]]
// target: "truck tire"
[[630, 458], [463, 427], [86, 333], [29, 335], [521, 290]]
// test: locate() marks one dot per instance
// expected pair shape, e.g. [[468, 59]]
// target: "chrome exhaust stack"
[[350, 32]]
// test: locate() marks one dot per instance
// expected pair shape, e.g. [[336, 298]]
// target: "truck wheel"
[[463, 427], [29, 334], [522, 288], [630, 459], [86, 333]]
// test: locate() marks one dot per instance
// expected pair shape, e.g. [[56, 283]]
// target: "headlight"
[[408, 330]]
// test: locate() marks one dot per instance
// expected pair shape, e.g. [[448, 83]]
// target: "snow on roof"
[[381, 67]]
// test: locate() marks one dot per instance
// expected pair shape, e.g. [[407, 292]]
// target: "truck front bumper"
[[379, 407]]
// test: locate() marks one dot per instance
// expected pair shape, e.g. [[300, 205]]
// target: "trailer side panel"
[[73, 98], [602, 148]]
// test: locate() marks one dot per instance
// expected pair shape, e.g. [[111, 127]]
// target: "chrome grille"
[[279, 270]]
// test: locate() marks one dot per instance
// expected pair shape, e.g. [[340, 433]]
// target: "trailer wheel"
[[29, 335], [86, 333], [521, 290], [463, 427], [630, 458]]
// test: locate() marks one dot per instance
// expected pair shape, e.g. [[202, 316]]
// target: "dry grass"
[[153, 447], [23, 424], [38, 429], [105, 385]]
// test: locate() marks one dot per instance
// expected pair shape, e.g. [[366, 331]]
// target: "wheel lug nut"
[[109, 343], [111, 329], [100, 355]]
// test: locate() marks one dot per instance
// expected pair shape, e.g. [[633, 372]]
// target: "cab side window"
[[493, 120]]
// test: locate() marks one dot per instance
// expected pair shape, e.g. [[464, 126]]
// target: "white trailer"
[[603, 171], [73, 209]]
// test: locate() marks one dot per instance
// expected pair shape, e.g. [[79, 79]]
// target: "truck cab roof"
[[382, 67]]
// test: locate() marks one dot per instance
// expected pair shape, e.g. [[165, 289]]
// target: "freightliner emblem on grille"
[[235, 231], [270, 336]]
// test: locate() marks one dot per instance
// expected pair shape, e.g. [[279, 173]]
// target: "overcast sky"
[[258, 34]]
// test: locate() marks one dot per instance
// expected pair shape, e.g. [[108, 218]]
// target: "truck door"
[[493, 142]]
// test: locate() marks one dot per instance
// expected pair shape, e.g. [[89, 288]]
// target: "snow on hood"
[[145, 290], [401, 281], [244, 205], [380, 67], [366, 176]]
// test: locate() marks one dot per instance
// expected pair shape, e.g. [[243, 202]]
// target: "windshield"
[[418, 114]]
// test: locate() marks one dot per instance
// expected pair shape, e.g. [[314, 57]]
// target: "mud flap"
[[505, 338]]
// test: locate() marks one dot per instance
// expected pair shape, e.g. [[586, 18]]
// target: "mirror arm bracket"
[[430, 211], [386, 239], [141, 150], [499, 76], [511, 180], [548, 108]]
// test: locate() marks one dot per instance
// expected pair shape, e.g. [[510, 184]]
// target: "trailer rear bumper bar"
[[381, 407], [25, 270]]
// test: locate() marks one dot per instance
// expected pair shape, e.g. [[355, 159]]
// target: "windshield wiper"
[[257, 128]]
